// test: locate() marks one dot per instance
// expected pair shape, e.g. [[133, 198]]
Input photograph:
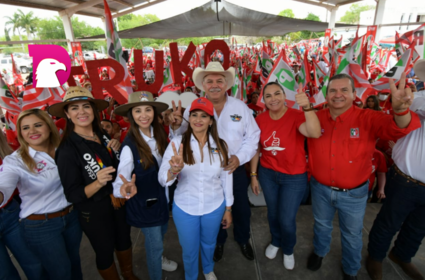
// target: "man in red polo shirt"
[[341, 162]]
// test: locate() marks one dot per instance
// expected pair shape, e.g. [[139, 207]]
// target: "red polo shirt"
[[342, 155]]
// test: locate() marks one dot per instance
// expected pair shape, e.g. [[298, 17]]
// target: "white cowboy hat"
[[213, 67], [419, 69], [139, 98]]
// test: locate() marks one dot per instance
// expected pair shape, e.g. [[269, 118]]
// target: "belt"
[[64, 212], [345, 190], [407, 176]]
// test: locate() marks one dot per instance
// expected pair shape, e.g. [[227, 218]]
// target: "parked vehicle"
[[24, 64]]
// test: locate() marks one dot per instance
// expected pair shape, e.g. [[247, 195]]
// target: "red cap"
[[202, 104]]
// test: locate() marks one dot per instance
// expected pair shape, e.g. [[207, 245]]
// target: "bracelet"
[[229, 210], [254, 174], [402, 113], [309, 109]]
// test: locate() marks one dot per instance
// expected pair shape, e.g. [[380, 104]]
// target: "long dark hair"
[[143, 148], [375, 103], [97, 128], [221, 145]]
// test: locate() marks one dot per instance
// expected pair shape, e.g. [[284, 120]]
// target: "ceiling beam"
[[348, 2], [123, 3], [148, 4], [323, 5], [96, 6], [72, 10], [41, 6]]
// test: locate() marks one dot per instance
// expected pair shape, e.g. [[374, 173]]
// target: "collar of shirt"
[[344, 116], [147, 138]]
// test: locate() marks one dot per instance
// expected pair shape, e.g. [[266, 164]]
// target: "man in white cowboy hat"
[[404, 207], [236, 125]]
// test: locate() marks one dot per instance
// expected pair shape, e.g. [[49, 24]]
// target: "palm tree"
[[15, 21], [26, 21], [33, 29]]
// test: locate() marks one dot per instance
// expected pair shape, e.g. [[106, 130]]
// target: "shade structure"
[[388, 40], [222, 19]]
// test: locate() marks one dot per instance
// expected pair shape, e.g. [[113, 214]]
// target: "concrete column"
[[332, 18], [69, 33], [379, 17]]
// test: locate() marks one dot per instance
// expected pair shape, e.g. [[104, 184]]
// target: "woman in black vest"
[[141, 156], [87, 160]]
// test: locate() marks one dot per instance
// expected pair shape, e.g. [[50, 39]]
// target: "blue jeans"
[[241, 210], [195, 232], [351, 206], [10, 237], [283, 194], [56, 242], [154, 245], [404, 211]]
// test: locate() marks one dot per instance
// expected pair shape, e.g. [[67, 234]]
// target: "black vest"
[[139, 212]]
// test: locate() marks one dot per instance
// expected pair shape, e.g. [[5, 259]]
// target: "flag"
[[36, 97], [318, 74], [266, 65], [17, 78], [58, 94], [168, 78], [237, 86], [395, 73], [115, 51], [304, 74], [320, 97], [282, 74], [7, 100]]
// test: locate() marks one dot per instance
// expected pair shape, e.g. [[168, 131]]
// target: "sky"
[[171, 8]]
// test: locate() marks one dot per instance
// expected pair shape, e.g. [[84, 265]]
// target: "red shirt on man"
[[282, 145], [378, 165], [342, 156]]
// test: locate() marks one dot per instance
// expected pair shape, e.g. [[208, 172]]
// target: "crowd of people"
[[99, 167]]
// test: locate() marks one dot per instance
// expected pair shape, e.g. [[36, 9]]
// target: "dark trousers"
[[241, 211], [403, 210], [106, 229]]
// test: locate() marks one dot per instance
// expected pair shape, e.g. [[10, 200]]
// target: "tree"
[[6, 34], [16, 25], [353, 14], [287, 13], [26, 21], [305, 34]]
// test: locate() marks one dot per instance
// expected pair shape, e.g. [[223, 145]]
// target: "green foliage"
[[6, 33], [305, 34], [353, 14], [287, 13]]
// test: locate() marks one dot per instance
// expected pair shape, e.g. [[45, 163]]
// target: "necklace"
[[89, 137]]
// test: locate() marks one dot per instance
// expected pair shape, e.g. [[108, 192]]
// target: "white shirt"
[[41, 192], [149, 74], [202, 187], [409, 151], [236, 125], [126, 165]]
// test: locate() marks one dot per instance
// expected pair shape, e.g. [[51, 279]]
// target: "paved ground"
[[235, 266]]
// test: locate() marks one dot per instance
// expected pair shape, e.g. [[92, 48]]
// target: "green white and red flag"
[[304, 74], [282, 74], [17, 78], [168, 78], [115, 51], [266, 65], [318, 74], [320, 97], [7, 100]]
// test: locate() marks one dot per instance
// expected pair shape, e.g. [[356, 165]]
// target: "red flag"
[[36, 97]]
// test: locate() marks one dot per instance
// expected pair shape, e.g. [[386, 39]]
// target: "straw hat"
[[139, 98], [74, 94], [213, 68], [419, 69]]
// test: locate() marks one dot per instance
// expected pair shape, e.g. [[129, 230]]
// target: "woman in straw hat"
[[204, 193], [48, 223], [87, 160], [140, 158]]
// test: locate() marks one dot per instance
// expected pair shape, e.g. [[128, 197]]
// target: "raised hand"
[[301, 98], [401, 97], [114, 144], [176, 161], [176, 117], [104, 175], [128, 189]]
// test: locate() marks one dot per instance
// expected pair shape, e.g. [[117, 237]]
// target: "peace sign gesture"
[[176, 161], [176, 117], [128, 189], [401, 97]]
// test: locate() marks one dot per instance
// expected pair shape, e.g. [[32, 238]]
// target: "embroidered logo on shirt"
[[236, 118], [40, 166], [214, 151], [272, 144], [354, 133]]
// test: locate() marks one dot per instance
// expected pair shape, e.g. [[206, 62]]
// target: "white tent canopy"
[[222, 19]]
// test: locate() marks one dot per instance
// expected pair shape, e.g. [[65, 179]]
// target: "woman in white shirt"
[[140, 158], [204, 193], [49, 225]]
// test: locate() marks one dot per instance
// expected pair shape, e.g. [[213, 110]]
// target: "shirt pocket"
[[353, 149]]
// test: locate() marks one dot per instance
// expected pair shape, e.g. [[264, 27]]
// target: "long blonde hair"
[[5, 149], [54, 138]]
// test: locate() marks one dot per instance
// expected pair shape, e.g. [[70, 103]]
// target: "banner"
[[77, 53], [370, 38], [326, 42]]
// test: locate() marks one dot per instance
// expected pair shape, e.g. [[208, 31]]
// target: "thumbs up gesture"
[[301, 98]]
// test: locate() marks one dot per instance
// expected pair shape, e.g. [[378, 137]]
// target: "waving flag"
[[304, 74], [17, 78], [282, 74], [115, 51], [36, 97], [237, 87], [168, 78], [320, 97], [266, 65], [7, 100]]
